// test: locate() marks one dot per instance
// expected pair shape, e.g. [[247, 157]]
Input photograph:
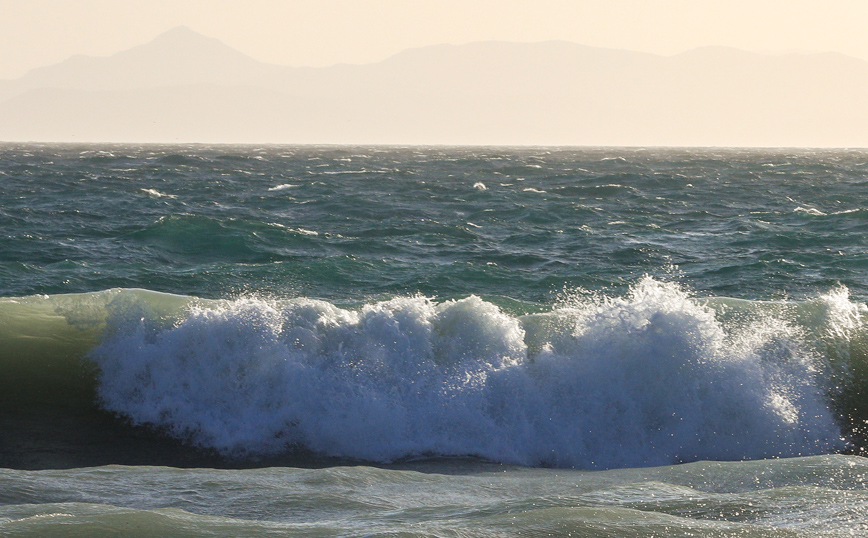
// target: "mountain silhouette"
[[177, 57], [184, 86]]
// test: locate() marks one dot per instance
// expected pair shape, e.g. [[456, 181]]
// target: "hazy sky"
[[34, 33]]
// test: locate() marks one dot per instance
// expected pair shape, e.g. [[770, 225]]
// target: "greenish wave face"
[[664, 376]]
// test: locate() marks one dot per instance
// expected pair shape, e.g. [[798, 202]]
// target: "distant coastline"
[[185, 87]]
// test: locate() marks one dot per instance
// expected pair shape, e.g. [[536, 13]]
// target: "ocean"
[[433, 341]]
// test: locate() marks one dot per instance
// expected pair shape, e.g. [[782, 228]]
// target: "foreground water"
[[603, 342], [819, 496]]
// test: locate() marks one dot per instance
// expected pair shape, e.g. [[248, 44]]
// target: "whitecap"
[[283, 186], [157, 194], [809, 211]]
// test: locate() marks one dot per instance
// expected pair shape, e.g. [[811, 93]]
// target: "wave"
[[653, 377]]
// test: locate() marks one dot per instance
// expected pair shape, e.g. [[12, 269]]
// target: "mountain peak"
[[181, 40], [183, 36], [180, 56], [181, 30]]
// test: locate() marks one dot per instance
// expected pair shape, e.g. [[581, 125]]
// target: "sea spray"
[[650, 378]]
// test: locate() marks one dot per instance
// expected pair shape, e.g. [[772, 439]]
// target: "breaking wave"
[[652, 377]]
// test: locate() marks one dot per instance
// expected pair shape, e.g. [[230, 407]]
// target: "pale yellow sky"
[[35, 33]]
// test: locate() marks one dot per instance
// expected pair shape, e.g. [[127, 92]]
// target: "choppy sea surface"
[[386, 341]]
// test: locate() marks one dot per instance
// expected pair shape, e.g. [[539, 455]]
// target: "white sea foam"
[[283, 186], [809, 211], [650, 378], [157, 194]]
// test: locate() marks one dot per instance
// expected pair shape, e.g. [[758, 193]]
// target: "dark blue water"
[[353, 223]]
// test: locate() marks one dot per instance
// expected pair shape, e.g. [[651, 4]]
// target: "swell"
[[653, 377]]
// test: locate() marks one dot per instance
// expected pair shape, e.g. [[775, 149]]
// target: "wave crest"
[[651, 378]]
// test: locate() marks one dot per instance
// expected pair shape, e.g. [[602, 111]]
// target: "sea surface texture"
[[385, 341]]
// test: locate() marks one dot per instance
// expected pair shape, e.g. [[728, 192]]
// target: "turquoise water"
[[432, 341], [351, 224]]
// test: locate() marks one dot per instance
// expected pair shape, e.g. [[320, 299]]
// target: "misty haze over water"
[[185, 87]]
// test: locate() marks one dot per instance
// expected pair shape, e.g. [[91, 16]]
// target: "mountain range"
[[186, 87]]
